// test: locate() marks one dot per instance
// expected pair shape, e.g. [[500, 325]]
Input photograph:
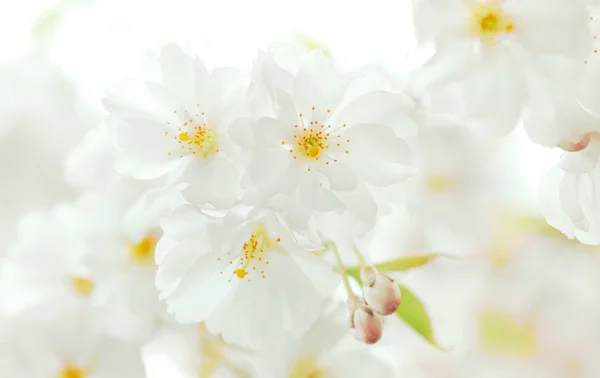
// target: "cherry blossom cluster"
[[225, 206]]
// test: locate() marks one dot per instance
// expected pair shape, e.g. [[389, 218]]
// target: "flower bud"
[[380, 292], [367, 325], [575, 147]]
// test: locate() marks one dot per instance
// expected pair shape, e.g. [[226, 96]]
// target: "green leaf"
[[405, 263], [413, 313], [398, 265]]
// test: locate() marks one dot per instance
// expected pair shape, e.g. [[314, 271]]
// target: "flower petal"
[[315, 196], [341, 176], [268, 165], [377, 107]]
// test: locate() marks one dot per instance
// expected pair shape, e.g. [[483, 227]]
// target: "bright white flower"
[[38, 96], [247, 277], [195, 352], [98, 252], [502, 56], [121, 239], [326, 350], [45, 273], [177, 127], [321, 146], [570, 193], [42, 116], [444, 206], [71, 347], [511, 318], [90, 165]]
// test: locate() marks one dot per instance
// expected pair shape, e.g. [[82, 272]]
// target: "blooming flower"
[[196, 352], [45, 273], [177, 127], [73, 346], [322, 146], [569, 195], [499, 56], [216, 270], [325, 350], [121, 239]]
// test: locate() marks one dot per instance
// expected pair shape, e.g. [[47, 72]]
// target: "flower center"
[[72, 372], [308, 368], [195, 138], [254, 250], [488, 21], [142, 253], [311, 143], [440, 184], [82, 286], [200, 141]]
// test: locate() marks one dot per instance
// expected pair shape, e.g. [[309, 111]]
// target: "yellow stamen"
[[82, 286], [312, 143], [201, 141], [142, 253], [308, 368], [488, 21], [440, 184], [254, 249], [72, 372]]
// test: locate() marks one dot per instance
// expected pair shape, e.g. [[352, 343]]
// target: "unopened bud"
[[577, 146], [381, 293], [366, 324]]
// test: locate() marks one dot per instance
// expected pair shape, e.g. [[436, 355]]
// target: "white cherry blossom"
[[245, 275], [176, 126], [326, 350], [322, 147], [72, 346], [45, 274], [121, 239], [195, 352], [500, 58], [569, 193]]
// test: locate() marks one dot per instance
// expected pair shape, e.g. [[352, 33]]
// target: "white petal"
[[376, 154], [569, 198], [174, 259], [184, 222], [315, 196], [378, 107], [496, 112], [200, 291], [177, 72], [241, 132], [215, 181], [341, 176], [377, 142], [319, 271], [144, 144], [268, 165], [559, 28], [270, 132]]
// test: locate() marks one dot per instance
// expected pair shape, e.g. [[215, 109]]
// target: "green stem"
[[343, 273], [359, 256]]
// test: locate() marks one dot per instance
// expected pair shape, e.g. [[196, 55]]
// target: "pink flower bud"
[[381, 294], [367, 325], [576, 147]]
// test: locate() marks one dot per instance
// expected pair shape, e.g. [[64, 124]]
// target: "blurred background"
[[524, 303]]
